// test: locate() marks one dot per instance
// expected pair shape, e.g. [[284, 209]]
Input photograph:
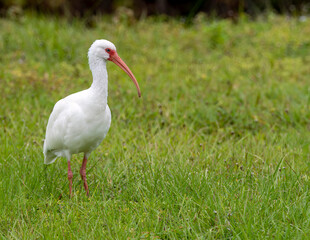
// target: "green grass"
[[216, 148]]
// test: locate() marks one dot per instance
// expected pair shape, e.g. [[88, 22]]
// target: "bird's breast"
[[88, 132]]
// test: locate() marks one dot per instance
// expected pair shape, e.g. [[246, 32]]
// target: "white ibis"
[[80, 121]]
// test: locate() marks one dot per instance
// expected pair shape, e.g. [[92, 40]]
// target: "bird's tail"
[[49, 157]]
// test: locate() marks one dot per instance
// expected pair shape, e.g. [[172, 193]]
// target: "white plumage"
[[72, 127], [80, 121]]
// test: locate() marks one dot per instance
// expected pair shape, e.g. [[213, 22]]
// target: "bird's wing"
[[60, 128]]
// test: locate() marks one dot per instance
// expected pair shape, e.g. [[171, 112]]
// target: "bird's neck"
[[99, 86]]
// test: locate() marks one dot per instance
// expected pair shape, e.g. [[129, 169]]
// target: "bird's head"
[[104, 49]]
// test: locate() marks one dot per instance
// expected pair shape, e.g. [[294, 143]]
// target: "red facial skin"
[[119, 62]]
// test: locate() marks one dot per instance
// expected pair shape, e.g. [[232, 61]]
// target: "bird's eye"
[[108, 50]]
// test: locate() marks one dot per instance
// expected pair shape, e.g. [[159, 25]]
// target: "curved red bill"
[[119, 62]]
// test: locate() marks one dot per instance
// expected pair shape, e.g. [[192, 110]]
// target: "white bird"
[[80, 121]]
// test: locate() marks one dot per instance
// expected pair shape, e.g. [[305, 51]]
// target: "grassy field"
[[216, 148]]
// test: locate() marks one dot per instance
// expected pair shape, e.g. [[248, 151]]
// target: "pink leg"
[[83, 174], [70, 176]]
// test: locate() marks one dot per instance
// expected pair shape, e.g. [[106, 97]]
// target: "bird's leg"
[[70, 176], [83, 174]]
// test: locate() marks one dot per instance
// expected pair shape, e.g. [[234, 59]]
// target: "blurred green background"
[[142, 8]]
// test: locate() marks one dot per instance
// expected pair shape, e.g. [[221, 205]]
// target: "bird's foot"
[[70, 176], [83, 176]]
